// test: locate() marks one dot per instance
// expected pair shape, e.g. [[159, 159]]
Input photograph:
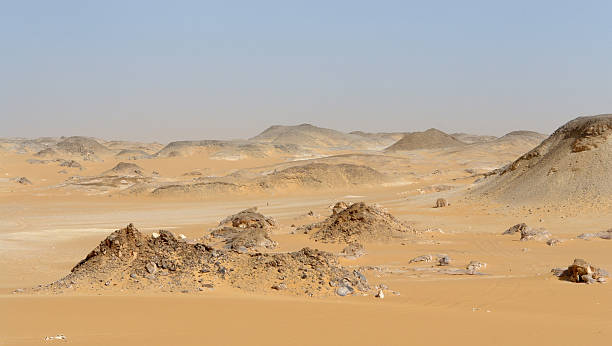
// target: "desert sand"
[[186, 274]]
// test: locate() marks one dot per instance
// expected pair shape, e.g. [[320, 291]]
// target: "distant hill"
[[307, 135], [430, 139], [470, 138]]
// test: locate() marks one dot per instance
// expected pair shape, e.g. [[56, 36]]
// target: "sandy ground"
[[518, 301]]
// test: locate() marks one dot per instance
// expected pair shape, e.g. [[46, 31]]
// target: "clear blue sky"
[[196, 69]]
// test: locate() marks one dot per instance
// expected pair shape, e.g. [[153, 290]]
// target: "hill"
[[430, 139], [570, 166]]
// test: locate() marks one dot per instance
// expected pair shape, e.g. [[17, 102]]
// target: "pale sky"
[[168, 70]]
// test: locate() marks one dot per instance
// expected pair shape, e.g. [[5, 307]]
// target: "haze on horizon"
[[151, 70]]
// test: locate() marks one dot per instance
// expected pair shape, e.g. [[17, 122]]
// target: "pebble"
[[151, 267], [444, 260], [279, 287], [344, 290]]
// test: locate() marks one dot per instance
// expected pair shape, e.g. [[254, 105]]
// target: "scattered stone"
[[423, 258], [353, 250], [151, 268], [380, 294], [19, 290], [516, 228], [338, 207], [602, 235], [475, 266], [539, 234], [441, 203], [279, 287], [71, 164], [444, 260], [56, 337], [344, 290], [23, 181], [581, 271]]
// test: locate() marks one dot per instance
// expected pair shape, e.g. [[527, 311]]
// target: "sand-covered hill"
[[229, 150], [310, 136], [309, 177], [430, 139], [471, 138], [571, 166], [84, 146]]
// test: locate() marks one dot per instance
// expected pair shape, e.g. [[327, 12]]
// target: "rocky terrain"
[[130, 260]]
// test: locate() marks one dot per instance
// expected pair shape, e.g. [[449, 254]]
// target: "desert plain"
[[108, 242]]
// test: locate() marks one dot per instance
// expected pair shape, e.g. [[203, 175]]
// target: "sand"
[[46, 230]]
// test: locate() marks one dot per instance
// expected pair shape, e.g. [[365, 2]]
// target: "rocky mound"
[[245, 231], [129, 260], [46, 153], [186, 148], [125, 169], [570, 166], [83, 146], [430, 139], [323, 175], [357, 223], [133, 154]]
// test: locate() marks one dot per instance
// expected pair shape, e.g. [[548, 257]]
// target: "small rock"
[[475, 266], [155, 235], [134, 276], [344, 290], [423, 258], [380, 294], [441, 203], [444, 260], [516, 228], [279, 287], [151, 267], [553, 242]]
